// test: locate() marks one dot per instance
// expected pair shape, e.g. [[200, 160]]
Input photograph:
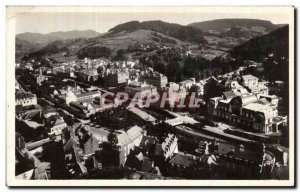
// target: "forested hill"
[[222, 25], [185, 33], [276, 43]]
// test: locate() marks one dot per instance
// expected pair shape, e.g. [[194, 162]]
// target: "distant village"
[[66, 129]]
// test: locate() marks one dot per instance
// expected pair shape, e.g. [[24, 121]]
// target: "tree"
[[112, 138], [94, 52], [121, 55]]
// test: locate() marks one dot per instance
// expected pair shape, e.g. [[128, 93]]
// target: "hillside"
[[222, 25], [114, 41], [184, 33], [132, 36], [276, 42], [23, 47], [43, 39], [63, 47]]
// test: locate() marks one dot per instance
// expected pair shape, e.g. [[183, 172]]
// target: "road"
[[192, 132]]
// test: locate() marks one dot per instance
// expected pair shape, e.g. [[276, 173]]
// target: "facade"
[[72, 97], [25, 98], [58, 69], [187, 84], [127, 141], [54, 123], [20, 141], [244, 162], [251, 82], [168, 147], [141, 89], [40, 77], [154, 78], [90, 75], [247, 111], [117, 78]]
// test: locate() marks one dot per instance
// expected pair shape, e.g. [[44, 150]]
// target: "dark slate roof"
[[88, 93], [158, 150], [147, 165], [229, 94], [263, 101], [236, 152], [182, 160], [24, 95], [147, 142]]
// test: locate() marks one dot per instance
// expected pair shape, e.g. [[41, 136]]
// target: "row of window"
[[234, 120], [244, 113]]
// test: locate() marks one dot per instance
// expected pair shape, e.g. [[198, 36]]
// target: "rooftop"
[[258, 107], [24, 95], [246, 77], [182, 160]]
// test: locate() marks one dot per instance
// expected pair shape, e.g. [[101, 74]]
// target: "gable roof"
[[182, 160], [24, 95], [147, 142], [263, 101], [70, 144], [229, 94]]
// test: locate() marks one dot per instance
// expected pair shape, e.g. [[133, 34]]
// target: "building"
[[91, 106], [126, 140], [187, 84], [72, 97], [212, 88], [58, 69], [154, 78], [175, 92], [243, 162], [25, 98], [168, 147], [247, 111], [88, 142], [140, 89], [184, 165], [54, 123], [90, 75], [252, 84], [20, 141], [24, 166], [40, 77], [88, 95], [117, 78], [249, 80]]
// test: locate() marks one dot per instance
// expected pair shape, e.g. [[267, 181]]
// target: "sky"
[[102, 21]]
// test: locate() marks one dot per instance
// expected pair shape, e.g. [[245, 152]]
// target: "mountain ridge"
[[43, 39], [184, 33], [222, 24]]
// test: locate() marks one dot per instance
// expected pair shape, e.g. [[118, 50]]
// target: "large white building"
[[246, 111], [140, 89], [154, 78], [127, 140], [251, 82]]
